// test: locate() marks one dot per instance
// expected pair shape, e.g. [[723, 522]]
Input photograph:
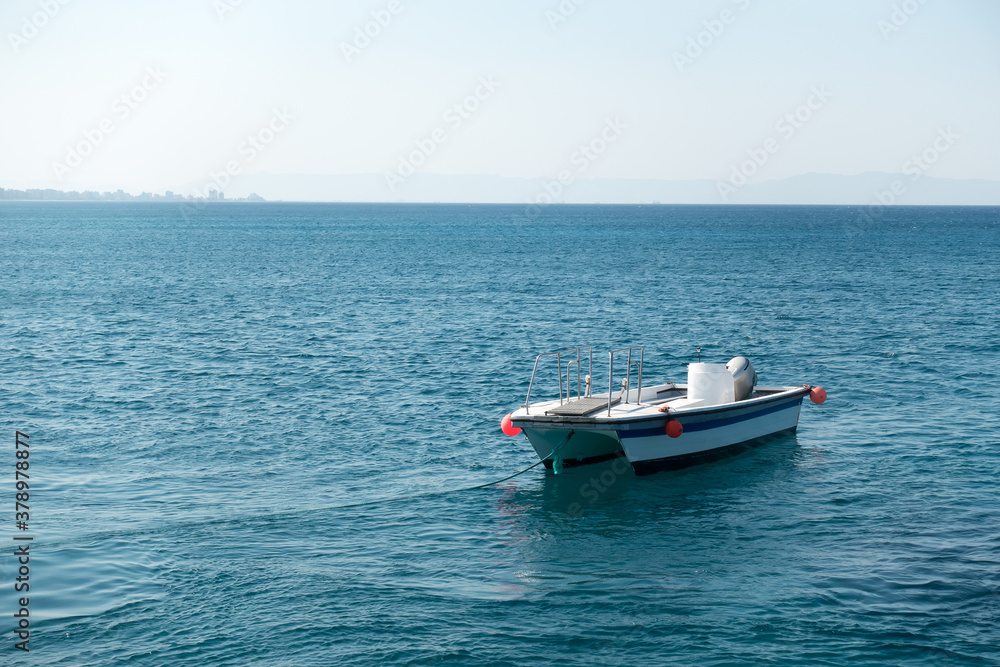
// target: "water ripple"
[[218, 405]]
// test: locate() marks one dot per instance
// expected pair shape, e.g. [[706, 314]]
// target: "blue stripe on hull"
[[693, 427]]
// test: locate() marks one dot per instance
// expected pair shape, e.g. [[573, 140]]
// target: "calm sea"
[[204, 394]]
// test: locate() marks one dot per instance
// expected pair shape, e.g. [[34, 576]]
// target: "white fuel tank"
[[712, 383]]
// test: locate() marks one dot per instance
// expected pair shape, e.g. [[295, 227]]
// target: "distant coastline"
[[119, 195], [871, 189]]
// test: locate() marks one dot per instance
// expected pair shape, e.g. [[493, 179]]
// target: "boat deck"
[[594, 409], [581, 407]]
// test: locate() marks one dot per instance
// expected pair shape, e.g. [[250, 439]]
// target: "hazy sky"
[[152, 95]]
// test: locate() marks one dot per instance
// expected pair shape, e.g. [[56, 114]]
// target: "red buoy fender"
[[674, 428], [817, 395], [507, 427]]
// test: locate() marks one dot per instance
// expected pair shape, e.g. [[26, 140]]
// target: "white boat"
[[719, 412]]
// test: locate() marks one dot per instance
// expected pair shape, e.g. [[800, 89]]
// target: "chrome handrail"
[[579, 378], [628, 372], [558, 356]]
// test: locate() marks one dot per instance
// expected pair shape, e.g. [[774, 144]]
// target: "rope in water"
[[424, 494], [295, 512]]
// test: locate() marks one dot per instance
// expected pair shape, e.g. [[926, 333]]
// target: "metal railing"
[[577, 358], [628, 372], [579, 380]]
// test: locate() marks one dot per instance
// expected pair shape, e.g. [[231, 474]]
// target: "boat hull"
[[709, 436], [708, 433], [557, 447], [679, 461]]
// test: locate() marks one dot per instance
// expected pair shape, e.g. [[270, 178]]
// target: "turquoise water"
[[202, 394]]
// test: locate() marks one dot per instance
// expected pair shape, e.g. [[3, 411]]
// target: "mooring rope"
[[294, 512]]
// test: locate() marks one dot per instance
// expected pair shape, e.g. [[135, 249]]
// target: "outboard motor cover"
[[744, 376]]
